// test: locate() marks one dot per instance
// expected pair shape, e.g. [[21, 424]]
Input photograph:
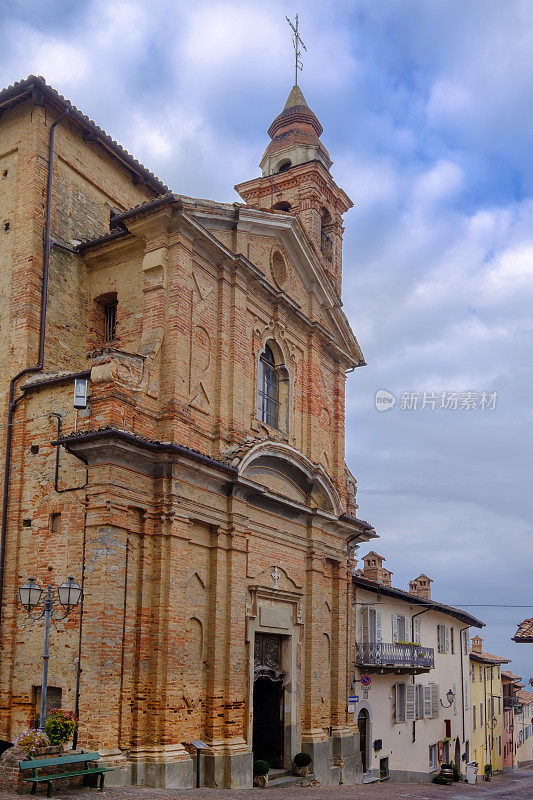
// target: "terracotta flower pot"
[[261, 780]]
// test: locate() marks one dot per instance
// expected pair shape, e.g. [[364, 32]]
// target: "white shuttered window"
[[410, 702], [399, 705]]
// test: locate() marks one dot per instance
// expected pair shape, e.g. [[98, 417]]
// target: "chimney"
[[386, 578], [374, 569], [477, 644], [421, 586]]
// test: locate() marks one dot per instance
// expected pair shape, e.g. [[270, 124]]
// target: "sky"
[[426, 109]]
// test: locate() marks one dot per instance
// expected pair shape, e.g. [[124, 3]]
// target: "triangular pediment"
[[318, 300]]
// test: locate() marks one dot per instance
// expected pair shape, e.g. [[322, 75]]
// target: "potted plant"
[[300, 764], [32, 742], [488, 772], [60, 726], [261, 769], [446, 772]]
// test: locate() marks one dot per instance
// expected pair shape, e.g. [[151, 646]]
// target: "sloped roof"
[[510, 676], [524, 632], [488, 658], [414, 599], [524, 696], [24, 89]]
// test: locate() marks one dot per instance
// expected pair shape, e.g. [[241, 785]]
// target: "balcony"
[[509, 702], [394, 657]]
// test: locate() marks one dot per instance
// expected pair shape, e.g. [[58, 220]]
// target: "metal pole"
[[48, 605], [198, 751]]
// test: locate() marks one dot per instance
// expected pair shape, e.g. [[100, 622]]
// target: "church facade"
[[200, 495]]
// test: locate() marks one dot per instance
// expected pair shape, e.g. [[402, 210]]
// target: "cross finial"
[[296, 42]]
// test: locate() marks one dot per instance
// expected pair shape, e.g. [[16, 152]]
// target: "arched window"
[[284, 165], [326, 231], [268, 389]]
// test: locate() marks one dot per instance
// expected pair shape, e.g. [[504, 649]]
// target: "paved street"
[[517, 786]]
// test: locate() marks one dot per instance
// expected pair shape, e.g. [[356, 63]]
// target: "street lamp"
[[450, 697], [30, 594]]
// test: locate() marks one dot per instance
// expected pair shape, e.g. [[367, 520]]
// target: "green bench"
[[77, 758]]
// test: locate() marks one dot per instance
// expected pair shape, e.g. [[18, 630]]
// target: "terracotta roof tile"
[[525, 631], [53, 94], [488, 658]]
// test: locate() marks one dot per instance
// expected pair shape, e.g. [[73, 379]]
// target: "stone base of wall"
[[408, 776], [336, 760]]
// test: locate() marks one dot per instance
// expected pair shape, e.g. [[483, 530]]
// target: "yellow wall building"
[[487, 707]]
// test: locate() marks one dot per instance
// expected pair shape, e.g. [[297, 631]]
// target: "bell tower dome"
[[296, 179]]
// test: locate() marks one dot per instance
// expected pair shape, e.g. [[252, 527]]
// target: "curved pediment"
[[284, 471]]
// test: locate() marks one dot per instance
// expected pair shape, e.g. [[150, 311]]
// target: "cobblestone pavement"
[[515, 786]]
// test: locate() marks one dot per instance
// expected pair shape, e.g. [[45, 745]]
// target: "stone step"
[[286, 779]]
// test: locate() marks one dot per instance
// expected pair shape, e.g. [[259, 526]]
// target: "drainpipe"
[[462, 680], [56, 472], [12, 400], [418, 614]]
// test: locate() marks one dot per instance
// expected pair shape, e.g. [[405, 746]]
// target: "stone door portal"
[[268, 705], [362, 724]]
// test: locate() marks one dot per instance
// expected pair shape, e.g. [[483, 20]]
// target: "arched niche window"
[[273, 388], [284, 165], [283, 205], [326, 234]]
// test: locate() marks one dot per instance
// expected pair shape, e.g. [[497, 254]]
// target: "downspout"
[[418, 614], [462, 679], [12, 400]]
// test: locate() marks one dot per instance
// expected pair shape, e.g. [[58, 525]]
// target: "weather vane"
[[296, 42]]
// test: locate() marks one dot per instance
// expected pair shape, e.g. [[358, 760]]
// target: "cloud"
[[425, 109]]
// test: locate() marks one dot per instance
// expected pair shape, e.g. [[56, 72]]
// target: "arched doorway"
[[268, 700], [457, 759], [364, 736]]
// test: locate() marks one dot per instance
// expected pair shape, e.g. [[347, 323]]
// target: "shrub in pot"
[[60, 726], [300, 763], [261, 769]]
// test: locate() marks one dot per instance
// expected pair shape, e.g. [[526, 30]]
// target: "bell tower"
[[296, 180]]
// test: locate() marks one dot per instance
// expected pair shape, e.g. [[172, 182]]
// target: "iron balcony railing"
[[385, 654], [509, 702]]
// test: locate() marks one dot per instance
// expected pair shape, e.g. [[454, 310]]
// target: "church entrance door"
[[268, 705]]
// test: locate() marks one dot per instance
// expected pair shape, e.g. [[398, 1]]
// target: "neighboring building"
[[202, 495], [415, 651], [487, 707], [524, 634], [510, 684], [524, 726]]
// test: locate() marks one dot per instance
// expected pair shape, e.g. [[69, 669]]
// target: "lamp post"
[[30, 594]]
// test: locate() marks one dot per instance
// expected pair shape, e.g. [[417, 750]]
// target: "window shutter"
[[467, 692], [403, 636], [474, 717], [419, 703], [364, 624], [400, 702], [378, 626], [434, 687], [447, 639], [427, 702], [452, 643], [466, 642], [395, 627], [442, 638], [418, 630], [410, 702]]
